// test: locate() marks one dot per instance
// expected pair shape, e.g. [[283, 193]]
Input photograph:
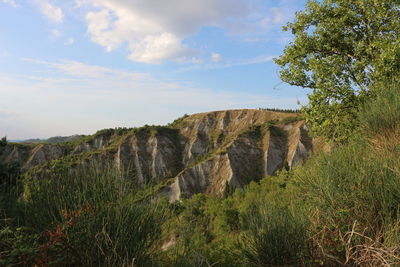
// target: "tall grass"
[[352, 195], [275, 236], [354, 191], [88, 217], [383, 113]]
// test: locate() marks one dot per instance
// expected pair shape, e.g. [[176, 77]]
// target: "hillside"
[[207, 152]]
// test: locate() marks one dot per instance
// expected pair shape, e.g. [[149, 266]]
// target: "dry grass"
[[386, 141], [369, 252], [358, 248], [387, 145]]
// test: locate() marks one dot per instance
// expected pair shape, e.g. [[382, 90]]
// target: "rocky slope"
[[208, 152]]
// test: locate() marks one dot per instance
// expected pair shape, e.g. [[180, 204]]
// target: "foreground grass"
[[81, 217]]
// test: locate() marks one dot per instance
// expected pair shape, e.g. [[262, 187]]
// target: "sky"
[[78, 66]]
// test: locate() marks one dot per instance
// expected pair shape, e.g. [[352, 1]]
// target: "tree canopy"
[[341, 48]]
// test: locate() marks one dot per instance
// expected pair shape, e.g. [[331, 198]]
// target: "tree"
[[341, 48], [3, 141]]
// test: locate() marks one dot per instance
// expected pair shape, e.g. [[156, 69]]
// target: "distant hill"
[[54, 140]]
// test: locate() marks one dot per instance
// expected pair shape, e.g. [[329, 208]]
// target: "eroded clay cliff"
[[203, 153]]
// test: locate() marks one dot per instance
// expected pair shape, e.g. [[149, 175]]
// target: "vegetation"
[[84, 217], [341, 48], [3, 141], [341, 208], [55, 139], [9, 175], [178, 121], [281, 110], [275, 236]]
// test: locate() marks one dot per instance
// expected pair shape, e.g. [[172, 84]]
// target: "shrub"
[[3, 141]]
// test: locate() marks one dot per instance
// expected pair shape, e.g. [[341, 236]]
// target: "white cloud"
[[215, 57], [10, 2], [277, 16], [155, 30], [155, 49], [69, 41], [50, 11]]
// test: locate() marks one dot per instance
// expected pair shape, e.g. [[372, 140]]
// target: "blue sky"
[[77, 66]]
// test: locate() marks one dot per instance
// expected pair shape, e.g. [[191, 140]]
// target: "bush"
[[3, 141]]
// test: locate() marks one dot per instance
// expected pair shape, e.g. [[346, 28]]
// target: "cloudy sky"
[[77, 66]]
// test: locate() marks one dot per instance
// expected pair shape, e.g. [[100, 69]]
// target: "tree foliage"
[[340, 49], [3, 141]]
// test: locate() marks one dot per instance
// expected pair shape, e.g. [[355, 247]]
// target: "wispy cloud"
[[52, 12], [74, 97], [250, 61], [229, 64]]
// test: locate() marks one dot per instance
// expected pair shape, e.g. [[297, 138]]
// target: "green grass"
[[382, 114], [276, 236], [82, 217]]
